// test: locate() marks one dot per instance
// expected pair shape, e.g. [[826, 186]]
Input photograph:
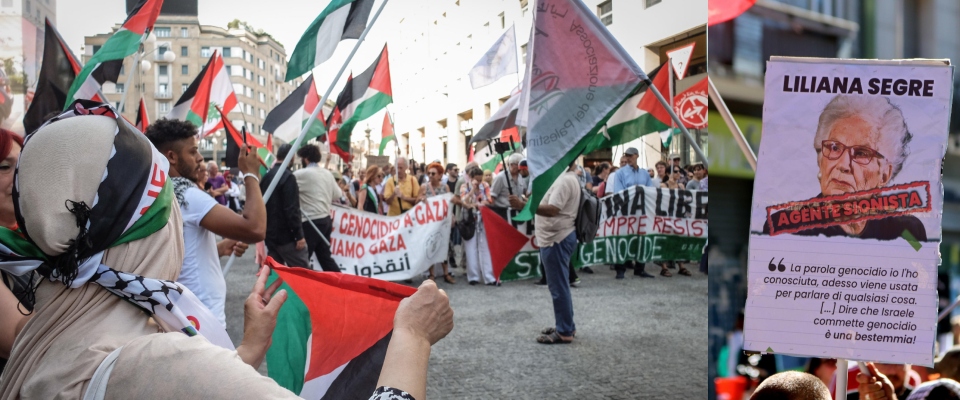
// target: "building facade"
[[24, 19], [255, 62], [436, 111]]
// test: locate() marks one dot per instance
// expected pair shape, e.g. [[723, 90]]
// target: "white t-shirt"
[[201, 271]]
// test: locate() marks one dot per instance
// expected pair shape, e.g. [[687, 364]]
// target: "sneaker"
[[587, 270], [575, 283], [620, 275], [473, 283]]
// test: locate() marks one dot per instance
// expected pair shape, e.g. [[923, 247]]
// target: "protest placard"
[[845, 223], [391, 248]]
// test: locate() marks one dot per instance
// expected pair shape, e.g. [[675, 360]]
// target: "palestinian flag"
[[332, 333], [341, 19], [106, 63], [504, 240], [362, 97], [270, 142], [570, 97], [502, 124], [629, 122], [235, 139], [57, 73], [143, 120], [287, 119], [211, 88], [387, 134], [266, 160]]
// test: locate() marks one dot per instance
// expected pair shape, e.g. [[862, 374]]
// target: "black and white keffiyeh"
[[133, 201]]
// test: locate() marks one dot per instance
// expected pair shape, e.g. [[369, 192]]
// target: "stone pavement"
[[636, 338]]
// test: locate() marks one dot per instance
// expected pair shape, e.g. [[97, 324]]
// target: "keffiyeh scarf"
[[133, 201]]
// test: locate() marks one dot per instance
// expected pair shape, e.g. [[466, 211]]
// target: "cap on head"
[[632, 151], [674, 156], [62, 161]]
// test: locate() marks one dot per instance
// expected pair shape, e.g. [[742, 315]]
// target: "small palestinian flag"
[[504, 240], [287, 119], [270, 142], [386, 132], [57, 73], [332, 333], [362, 97], [143, 120], [105, 65], [266, 160], [341, 19], [211, 88], [632, 119]]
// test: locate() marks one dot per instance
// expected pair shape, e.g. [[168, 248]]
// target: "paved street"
[[635, 338]]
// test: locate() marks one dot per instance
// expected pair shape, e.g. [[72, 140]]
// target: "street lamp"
[[369, 148], [145, 65]]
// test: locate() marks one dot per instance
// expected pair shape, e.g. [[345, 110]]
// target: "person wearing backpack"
[[556, 236], [627, 177]]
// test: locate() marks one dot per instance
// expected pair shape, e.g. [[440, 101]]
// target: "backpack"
[[467, 225], [588, 216]]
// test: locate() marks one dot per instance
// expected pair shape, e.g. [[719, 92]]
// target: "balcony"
[[167, 95]]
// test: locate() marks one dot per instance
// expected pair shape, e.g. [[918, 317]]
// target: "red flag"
[[649, 101], [720, 11], [142, 120], [504, 240], [691, 105], [270, 142]]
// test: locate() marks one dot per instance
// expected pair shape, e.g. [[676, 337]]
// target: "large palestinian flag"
[[332, 333], [362, 97], [287, 119], [210, 88], [341, 19], [629, 121], [105, 65], [569, 97], [57, 73]]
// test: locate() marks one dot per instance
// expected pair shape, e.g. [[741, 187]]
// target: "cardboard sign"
[[845, 223]]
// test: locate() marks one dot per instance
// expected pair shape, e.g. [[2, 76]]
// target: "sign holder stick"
[[732, 125], [313, 117], [675, 118], [841, 389]]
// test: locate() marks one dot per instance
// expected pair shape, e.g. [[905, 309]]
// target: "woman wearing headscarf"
[[109, 320], [434, 187]]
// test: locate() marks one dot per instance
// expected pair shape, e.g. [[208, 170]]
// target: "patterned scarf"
[[130, 204], [180, 186]]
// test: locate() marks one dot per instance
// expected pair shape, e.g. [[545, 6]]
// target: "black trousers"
[[317, 246], [637, 267]]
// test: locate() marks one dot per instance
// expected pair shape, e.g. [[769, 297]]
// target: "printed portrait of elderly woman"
[[861, 144]]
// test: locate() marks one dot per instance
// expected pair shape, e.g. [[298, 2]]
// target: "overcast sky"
[[285, 20]]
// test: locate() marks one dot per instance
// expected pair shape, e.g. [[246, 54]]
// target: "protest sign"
[[845, 223], [391, 248], [641, 224], [646, 224]]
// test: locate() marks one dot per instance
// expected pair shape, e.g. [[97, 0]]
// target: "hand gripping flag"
[[211, 87], [332, 333], [361, 97], [57, 73], [288, 118], [105, 65], [341, 19], [579, 75]]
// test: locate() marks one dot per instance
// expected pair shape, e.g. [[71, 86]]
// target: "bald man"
[[791, 385], [218, 185]]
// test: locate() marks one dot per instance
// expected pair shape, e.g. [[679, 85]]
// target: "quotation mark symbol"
[[778, 266]]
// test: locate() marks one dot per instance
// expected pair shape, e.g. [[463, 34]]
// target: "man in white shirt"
[[203, 217], [318, 189]]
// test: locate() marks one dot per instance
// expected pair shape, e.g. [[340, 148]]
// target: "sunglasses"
[[833, 150], [431, 173]]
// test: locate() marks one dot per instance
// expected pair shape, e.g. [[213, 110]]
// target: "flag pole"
[[303, 132], [732, 125], [306, 127], [673, 116], [136, 67]]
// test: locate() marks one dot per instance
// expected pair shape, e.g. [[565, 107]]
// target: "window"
[[261, 64], [605, 11], [96, 48], [184, 87], [263, 97], [262, 80], [249, 93], [249, 109], [204, 51], [163, 107], [651, 3], [122, 70], [162, 32], [162, 70], [184, 70], [184, 32], [119, 87], [162, 88], [523, 54], [183, 51], [227, 52], [161, 49], [263, 113], [238, 88], [503, 21]]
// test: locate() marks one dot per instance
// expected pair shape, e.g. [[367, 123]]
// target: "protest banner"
[[646, 224], [642, 224], [845, 224], [391, 248]]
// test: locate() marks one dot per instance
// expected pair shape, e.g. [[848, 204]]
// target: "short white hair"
[[212, 164], [886, 118], [514, 159]]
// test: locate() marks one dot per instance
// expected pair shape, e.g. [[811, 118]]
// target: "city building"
[[23, 19], [435, 109], [255, 61], [739, 49]]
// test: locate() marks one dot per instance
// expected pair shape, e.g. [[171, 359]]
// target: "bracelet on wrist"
[[254, 176]]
